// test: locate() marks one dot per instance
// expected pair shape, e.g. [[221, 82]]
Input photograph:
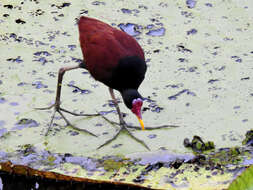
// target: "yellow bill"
[[141, 122]]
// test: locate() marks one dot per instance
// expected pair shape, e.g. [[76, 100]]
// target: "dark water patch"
[[25, 123], [14, 103], [111, 103], [186, 14], [65, 34], [72, 47], [156, 51], [182, 60], [152, 136], [130, 28], [157, 32], [192, 69], [73, 133], [8, 6], [126, 11], [42, 60], [245, 78], [40, 53], [98, 124], [236, 58], [211, 81], [117, 145], [107, 112], [191, 3], [98, 3], [62, 5], [37, 12], [192, 32], [77, 60], [79, 90], [22, 84], [40, 56], [152, 106], [39, 85], [221, 68], [17, 60], [209, 4], [20, 21], [174, 85], [185, 91], [150, 26], [83, 11], [236, 107], [228, 39], [40, 43], [182, 48], [2, 100]]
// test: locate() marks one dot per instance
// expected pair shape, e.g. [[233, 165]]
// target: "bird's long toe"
[[124, 127], [58, 109]]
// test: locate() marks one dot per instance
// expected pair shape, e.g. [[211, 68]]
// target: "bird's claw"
[[58, 109], [47, 108], [137, 127], [124, 128]]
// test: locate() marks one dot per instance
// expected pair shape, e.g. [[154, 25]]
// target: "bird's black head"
[[133, 100], [129, 95]]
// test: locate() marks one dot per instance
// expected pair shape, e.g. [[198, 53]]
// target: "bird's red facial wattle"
[[136, 109]]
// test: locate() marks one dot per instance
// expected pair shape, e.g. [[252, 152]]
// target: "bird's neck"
[[129, 95]]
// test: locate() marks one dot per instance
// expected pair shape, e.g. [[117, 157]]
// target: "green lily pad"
[[198, 78]]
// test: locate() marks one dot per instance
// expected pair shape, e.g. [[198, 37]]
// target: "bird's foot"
[[58, 109], [138, 127], [124, 127]]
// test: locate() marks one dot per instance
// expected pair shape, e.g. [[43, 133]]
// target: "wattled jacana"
[[114, 58]]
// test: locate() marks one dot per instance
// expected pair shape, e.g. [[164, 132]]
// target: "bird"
[[115, 59]]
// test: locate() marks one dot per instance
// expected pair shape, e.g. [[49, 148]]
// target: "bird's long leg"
[[123, 125], [121, 120], [56, 105], [130, 126]]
